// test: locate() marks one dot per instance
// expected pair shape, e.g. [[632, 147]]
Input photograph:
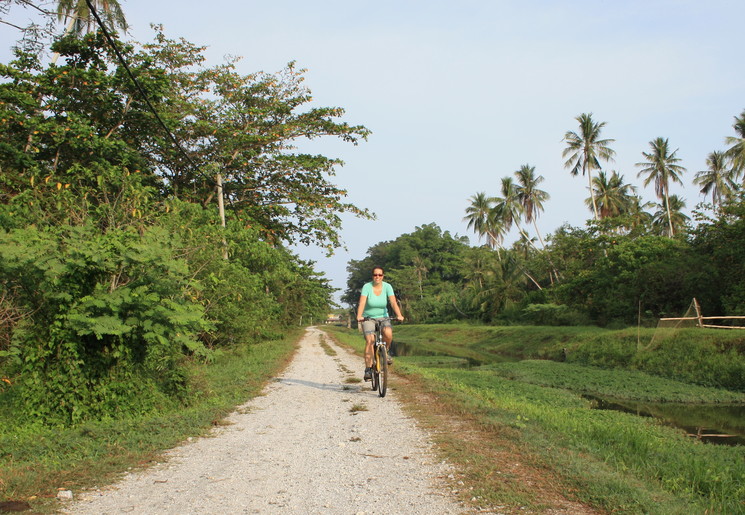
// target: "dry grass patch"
[[357, 407]]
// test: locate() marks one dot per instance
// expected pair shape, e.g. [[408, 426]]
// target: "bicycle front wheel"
[[375, 379], [382, 356], [375, 373]]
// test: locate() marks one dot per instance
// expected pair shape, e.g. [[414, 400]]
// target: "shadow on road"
[[342, 388]]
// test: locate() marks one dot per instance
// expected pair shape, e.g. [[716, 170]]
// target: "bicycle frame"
[[380, 358]]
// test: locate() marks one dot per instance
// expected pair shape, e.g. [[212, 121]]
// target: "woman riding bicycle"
[[374, 299]]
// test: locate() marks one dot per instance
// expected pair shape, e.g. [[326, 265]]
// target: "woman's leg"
[[388, 337], [369, 341]]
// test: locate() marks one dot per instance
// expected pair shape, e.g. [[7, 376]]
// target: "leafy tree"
[[68, 144], [725, 260], [585, 150], [662, 168], [425, 297], [718, 179], [247, 129], [243, 127], [653, 274], [113, 227]]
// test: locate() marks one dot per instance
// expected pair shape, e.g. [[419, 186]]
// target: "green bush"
[[689, 357], [707, 357], [111, 317], [611, 350], [553, 314]]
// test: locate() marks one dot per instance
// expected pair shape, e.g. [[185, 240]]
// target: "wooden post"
[[698, 312]]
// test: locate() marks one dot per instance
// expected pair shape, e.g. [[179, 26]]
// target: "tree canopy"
[[112, 251]]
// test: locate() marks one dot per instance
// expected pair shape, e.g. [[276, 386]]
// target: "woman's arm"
[[396, 307], [361, 306]]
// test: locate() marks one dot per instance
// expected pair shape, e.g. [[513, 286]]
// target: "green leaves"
[[104, 306], [110, 244]]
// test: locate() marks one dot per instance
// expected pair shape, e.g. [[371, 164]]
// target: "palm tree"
[[670, 215], [480, 218], [508, 207], [661, 168], [585, 149], [736, 153], [613, 197], [531, 198], [420, 269], [80, 18], [718, 178], [638, 216]]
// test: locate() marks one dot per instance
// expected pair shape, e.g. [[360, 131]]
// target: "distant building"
[[333, 318]]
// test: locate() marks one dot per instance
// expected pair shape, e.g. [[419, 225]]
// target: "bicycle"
[[380, 358]]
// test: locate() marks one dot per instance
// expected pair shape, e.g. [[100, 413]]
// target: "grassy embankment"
[[610, 460], [35, 461]]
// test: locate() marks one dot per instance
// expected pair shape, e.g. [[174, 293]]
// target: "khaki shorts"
[[368, 326]]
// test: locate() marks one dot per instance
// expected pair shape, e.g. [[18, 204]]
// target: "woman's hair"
[[377, 268]]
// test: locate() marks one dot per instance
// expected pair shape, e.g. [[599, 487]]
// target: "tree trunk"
[[221, 210]]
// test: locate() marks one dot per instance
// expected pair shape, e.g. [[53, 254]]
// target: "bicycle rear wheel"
[[382, 359]]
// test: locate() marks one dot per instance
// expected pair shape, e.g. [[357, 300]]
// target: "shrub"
[[615, 349], [552, 314], [111, 318]]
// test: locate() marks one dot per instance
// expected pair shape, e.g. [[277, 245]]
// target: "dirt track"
[[311, 444]]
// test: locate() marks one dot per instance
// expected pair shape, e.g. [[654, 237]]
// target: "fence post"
[[698, 312]]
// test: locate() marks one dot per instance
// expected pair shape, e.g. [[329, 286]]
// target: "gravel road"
[[304, 446]]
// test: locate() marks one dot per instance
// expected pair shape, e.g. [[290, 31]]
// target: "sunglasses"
[[377, 275]]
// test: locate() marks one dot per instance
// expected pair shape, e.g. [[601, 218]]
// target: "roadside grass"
[[626, 448], [612, 461], [37, 460], [325, 346]]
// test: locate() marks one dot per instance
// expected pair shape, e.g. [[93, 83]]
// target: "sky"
[[460, 94]]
